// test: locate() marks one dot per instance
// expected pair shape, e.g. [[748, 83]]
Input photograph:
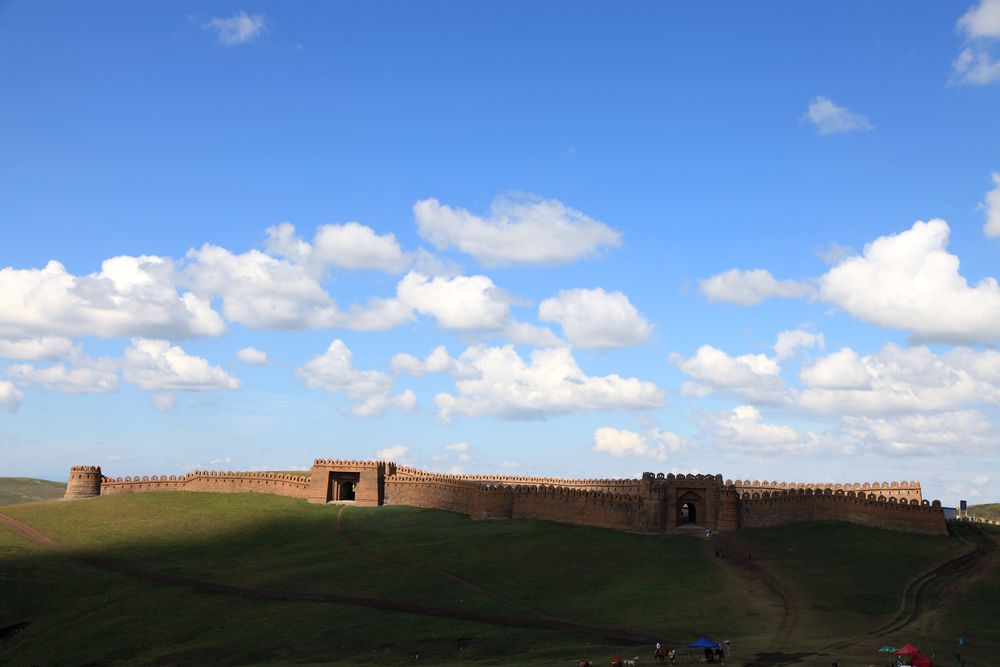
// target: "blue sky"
[[578, 239]]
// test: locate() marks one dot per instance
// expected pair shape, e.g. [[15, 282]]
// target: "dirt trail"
[[733, 549], [917, 602], [616, 636]]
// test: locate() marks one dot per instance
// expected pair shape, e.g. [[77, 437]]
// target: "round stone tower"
[[84, 482]]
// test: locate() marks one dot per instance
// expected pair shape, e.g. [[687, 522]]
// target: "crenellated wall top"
[[514, 480], [85, 469], [848, 486], [349, 463], [199, 474]]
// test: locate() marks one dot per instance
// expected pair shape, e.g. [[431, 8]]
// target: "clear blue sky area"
[[562, 238]]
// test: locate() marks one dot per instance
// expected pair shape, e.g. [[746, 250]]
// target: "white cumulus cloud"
[[44, 347], [936, 434], [518, 230], [356, 246], [743, 429], [829, 118], [789, 342], [593, 318], [468, 303], [252, 356], [752, 376], [991, 206], [59, 377], [910, 281], [622, 442], [265, 292], [334, 371], [982, 20], [10, 396], [975, 64], [438, 361], [156, 365], [130, 296], [394, 453], [496, 381], [747, 288]]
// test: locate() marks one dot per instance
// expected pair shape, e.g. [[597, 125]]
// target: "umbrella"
[[887, 649], [909, 649]]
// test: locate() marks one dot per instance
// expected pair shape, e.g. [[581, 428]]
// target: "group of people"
[[662, 654]]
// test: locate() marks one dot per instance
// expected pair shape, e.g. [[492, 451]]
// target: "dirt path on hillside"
[[615, 636], [918, 599], [373, 557], [734, 557]]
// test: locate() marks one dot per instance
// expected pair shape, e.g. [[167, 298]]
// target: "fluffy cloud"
[[71, 380], [982, 20], [752, 376], [45, 347], [355, 246], [963, 431], [130, 296], [156, 365], [252, 356], [518, 230], [237, 29], [975, 65], [621, 442], [910, 281], [496, 381], [438, 361], [523, 333], [593, 318], [828, 118], [899, 380], [743, 429], [334, 371], [992, 208], [747, 288], [262, 291], [790, 342], [394, 453], [468, 303], [841, 370], [10, 397]]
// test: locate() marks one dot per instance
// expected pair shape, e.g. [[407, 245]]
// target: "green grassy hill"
[[200, 578], [25, 490], [991, 511]]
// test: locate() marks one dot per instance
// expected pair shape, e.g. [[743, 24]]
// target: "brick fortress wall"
[[655, 503]]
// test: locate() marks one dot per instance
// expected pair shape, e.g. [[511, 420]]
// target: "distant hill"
[[991, 511], [15, 490]]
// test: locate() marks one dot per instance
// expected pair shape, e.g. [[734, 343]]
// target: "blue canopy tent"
[[704, 642]]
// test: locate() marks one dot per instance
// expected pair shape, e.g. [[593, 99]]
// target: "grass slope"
[[841, 578], [15, 490], [990, 511]]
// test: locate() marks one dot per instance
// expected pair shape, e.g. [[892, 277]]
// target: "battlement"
[[84, 482], [654, 503]]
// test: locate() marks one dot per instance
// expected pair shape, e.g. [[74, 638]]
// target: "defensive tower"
[[84, 482]]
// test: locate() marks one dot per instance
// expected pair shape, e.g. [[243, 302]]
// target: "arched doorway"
[[689, 509]]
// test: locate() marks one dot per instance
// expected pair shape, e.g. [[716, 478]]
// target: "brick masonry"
[[655, 503]]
